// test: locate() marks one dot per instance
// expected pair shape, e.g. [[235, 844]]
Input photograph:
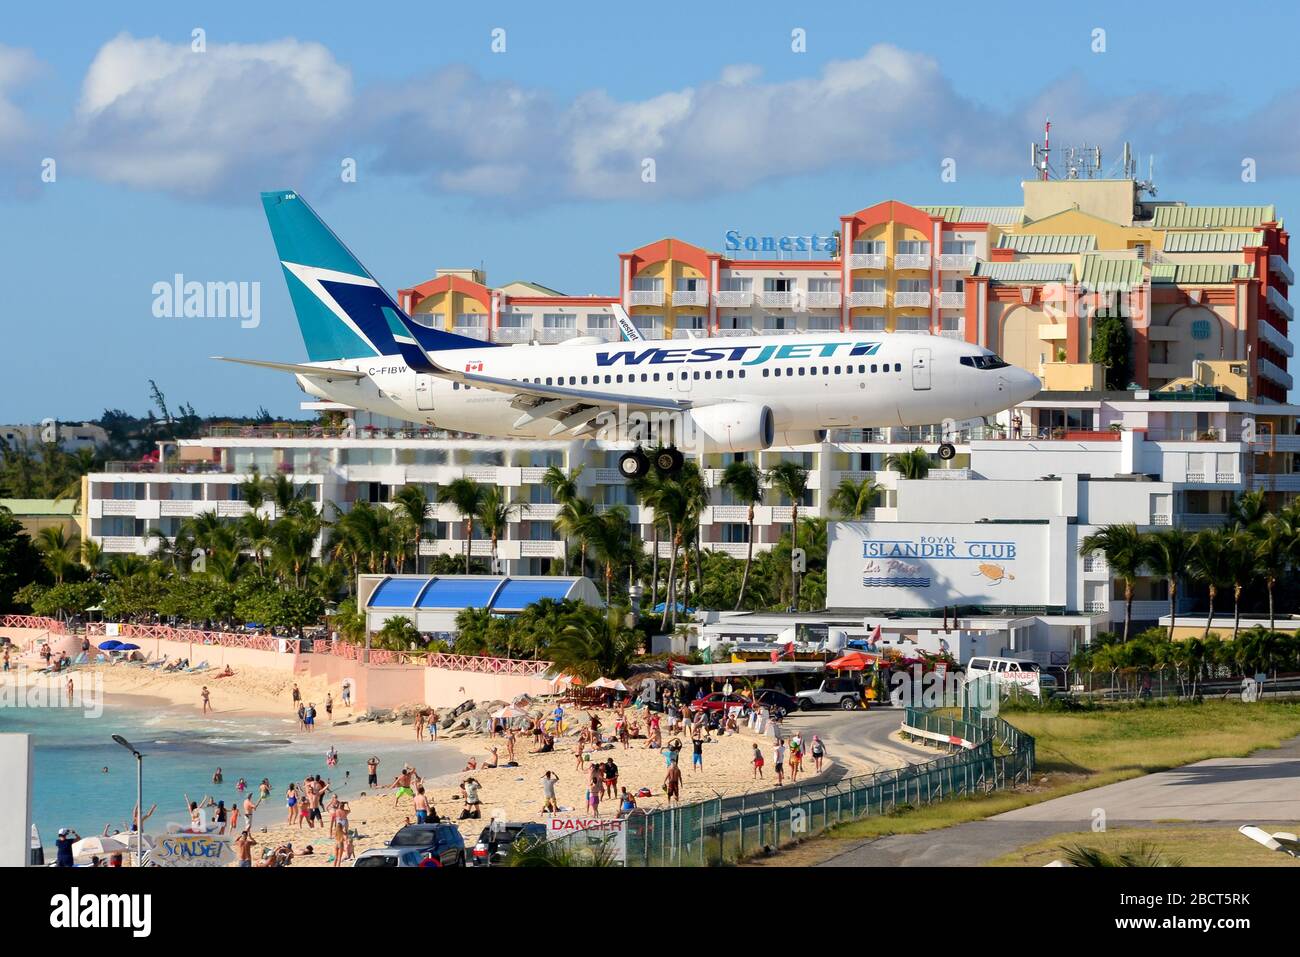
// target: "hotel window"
[[515, 320], [470, 320], [951, 323], [600, 320], [779, 322], [735, 322], [954, 285], [687, 284], [912, 323], [913, 285], [736, 284], [430, 320], [559, 320], [869, 246], [959, 247], [690, 322], [823, 285], [778, 284], [868, 285], [648, 322], [912, 247], [647, 285]]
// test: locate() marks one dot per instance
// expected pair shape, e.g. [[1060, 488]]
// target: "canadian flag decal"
[[473, 366]]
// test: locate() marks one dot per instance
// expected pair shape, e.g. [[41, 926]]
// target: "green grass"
[[1195, 846], [1088, 749]]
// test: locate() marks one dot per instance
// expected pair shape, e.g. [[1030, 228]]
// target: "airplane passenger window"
[[670, 377], [573, 380], [697, 375], [898, 367], [801, 370], [764, 373], [644, 379], [742, 374], [584, 380], [732, 372], [826, 370], [607, 378], [873, 367], [619, 377], [655, 377], [548, 380], [837, 370]]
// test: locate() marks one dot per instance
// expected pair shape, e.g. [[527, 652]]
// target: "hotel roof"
[[995, 215], [1025, 271], [1201, 273], [1203, 242], [1059, 243], [497, 592], [1211, 217]]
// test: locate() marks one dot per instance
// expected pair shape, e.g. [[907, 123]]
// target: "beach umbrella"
[[853, 661], [111, 645], [508, 712], [610, 683], [125, 646], [98, 846]]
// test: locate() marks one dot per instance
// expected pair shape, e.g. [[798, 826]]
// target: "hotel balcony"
[[952, 334], [645, 297], [1279, 303], [1269, 371], [471, 332], [1275, 339], [690, 332], [957, 262], [733, 298], [690, 297], [778, 300], [556, 334], [912, 261], [513, 334], [1282, 268], [822, 300], [867, 261], [952, 300], [606, 333], [777, 331], [868, 300], [905, 300], [735, 331]]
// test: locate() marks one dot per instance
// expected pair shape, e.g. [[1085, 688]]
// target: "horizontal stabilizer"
[[319, 372]]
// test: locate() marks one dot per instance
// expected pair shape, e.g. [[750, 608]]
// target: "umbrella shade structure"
[[508, 712], [98, 846], [125, 646], [853, 661], [611, 683], [111, 645]]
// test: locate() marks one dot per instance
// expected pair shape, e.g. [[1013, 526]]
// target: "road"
[[860, 741]]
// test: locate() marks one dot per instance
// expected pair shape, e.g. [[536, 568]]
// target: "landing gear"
[[947, 451], [633, 465], [669, 461]]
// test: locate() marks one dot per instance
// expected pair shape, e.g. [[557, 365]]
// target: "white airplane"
[[740, 394]]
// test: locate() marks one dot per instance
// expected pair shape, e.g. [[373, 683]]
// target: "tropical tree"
[[1212, 564], [495, 513], [1247, 510], [575, 520], [611, 541], [744, 481], [851, 500], [1240, 565], [914, 464], [791, 480], [595, 643], [1275, 550], [412, 502], [466, 497], [1168, 554], [59, 551], [564, 489], [1123, 547], [253, 490], [92, 555]]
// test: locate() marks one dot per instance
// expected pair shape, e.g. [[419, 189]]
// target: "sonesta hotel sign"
[[735, 241]]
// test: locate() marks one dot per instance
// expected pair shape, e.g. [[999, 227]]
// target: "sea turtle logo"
[[994, 573]]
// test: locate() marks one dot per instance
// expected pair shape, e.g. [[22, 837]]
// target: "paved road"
[[1264, 787], [862, 740]]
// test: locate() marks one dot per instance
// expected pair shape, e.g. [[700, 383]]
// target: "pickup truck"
[[844, 693]]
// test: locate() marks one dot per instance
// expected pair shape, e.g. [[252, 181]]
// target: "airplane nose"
[[1027, 385]]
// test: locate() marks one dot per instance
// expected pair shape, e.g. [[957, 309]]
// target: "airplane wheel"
[[947, 451], [633, 465], [669, 461]]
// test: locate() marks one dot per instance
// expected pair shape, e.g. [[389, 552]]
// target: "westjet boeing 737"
[[740, 394]]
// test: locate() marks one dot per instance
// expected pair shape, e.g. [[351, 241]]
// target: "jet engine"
[[732, 427]]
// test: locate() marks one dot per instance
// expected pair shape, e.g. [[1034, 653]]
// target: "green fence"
[[727, 830]]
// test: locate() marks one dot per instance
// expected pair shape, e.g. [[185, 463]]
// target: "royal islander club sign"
[[915, 565]]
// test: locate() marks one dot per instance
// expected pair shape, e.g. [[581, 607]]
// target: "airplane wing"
[[573, 409], [318, 372]]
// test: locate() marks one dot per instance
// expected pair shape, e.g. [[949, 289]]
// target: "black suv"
[[414, 844], [777, 701], [494, 843]]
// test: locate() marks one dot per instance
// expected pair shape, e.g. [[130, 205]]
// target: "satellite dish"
[[837, 639]]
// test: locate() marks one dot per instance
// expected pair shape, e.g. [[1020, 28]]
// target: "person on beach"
[[297, 698], [673, 783], [778, 761], [610, 776], [71, 691], [249, 808], [434, 718], [626, 803], [217, 777], [207, 699], [419, 726], [347, 694], [549, 780], [697, 753], [796, 757], [402, 786], [331, 757], [302, 717], [342, 836], [546, 747], [244, 845], [264, 790], [329, 707], [372, 772], [309, 717], [818, 752], [136, 821], [758, 763], [63, 847], [496, 760], [470, 788], [241, 785], [421, 804], [234, 816], [291, 802], [511, 734]]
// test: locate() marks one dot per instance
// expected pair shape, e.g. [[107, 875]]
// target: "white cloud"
[[17, 69], [156, 115]]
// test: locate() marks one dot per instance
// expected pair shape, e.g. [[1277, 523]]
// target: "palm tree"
[[293, 540], [646, 489], [1247, 510], [495, 513], [92, 554], [253, 490], [58, 550], [1212, 564], [1240, 566], [672, 509], [1124, 550], [595, 643], [575, 521], [257, 529], [564, 489], [791, 480], [466, 497], [289, 498], [611, 535], [1168, 554], [1275, 548], [744, 481], [909, 465], [851, 500], [413, 503]]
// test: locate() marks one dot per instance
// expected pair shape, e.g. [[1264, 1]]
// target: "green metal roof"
[[1203, 242], [1103, 272], [997, 215], [1200, 273], [1059, 243], [40, 506], [1212, 217], [1025, 272]]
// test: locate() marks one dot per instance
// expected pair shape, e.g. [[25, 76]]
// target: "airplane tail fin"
[[342, 310]]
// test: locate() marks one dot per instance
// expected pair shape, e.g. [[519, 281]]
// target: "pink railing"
[[52, 625], [475, 663], [194, 636]]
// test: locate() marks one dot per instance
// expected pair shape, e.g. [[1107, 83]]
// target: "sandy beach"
[[510, 793]]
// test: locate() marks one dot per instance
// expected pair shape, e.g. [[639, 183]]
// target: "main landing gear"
[[636, 464], [947, 450]]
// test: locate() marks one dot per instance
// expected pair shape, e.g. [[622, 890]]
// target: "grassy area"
[[1080, 750], [1191, 845]]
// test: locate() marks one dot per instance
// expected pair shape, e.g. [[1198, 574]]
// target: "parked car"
[[1007, 672], [718, 702], [495, 842], [414, 843], [842, 693], [777, 701]]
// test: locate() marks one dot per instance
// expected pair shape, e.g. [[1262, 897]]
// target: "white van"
[[1011, 671]]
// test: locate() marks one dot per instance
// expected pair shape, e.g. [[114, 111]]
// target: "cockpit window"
[[985, 362]]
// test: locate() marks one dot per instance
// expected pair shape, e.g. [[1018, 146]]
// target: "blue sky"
[[527, 161]]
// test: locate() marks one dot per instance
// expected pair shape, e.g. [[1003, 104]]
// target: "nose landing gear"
[[947, 450], [636, 464]]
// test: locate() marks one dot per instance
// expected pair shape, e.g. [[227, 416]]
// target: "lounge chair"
[[201, 666], [157, 664]]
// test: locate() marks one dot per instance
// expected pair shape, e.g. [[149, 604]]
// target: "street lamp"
[[139, 798]]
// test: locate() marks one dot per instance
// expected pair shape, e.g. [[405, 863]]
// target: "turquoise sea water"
[[182, 749]]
